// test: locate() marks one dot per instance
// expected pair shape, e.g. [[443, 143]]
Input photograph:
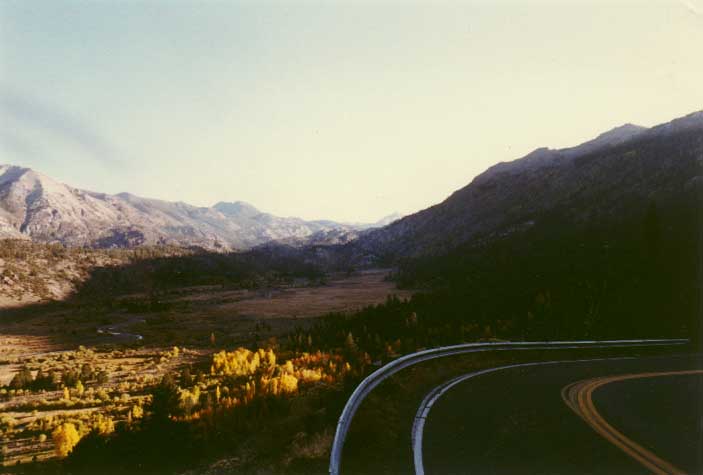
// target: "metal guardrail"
[[378, 376]]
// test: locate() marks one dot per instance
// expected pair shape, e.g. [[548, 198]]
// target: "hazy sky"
[[343, 110]]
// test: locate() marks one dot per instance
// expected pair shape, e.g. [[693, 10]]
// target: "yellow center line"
[[578, 397]]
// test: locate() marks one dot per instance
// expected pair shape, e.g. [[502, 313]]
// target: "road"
[[521, 420], [670, 393], [112, 329]]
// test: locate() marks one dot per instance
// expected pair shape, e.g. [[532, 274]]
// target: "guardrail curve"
[[389, 369]]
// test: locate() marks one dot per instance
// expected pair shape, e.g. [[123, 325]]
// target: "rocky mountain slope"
[[33, 205], [603, 180]]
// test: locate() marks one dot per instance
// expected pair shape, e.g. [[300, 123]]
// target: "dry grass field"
[[340, 294], [189, 316]]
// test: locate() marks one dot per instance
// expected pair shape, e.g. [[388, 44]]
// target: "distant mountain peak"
[[627, 128], [388, 219], [237, 209], [545, 156], [615, 136]]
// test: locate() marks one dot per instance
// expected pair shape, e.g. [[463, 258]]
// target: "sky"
[[346, 110]]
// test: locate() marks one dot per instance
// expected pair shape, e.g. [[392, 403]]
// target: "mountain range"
[[34, 206], [603, 180]]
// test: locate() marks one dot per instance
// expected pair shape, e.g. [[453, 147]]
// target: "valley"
[[351, 237], [169, 354], [135, 343]]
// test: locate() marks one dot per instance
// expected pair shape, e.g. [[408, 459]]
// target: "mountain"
[[610, 178], [34, 206], [238, 209], [602, 180], [386, 220]]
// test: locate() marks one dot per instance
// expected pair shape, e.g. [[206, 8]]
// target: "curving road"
[[112, 329], [407, 361], [581, 417]]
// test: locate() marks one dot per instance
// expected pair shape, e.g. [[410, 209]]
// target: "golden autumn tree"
[[137, 412], [104, 425], [188, 399], [288, 384], [65, 438]]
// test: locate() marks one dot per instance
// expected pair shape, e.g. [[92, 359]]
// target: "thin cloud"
[[40, 117]]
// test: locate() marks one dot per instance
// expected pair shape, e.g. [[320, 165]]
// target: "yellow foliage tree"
[[65, 438], [137, 412], [268, 358], [104, 424], [289, 384], [259, 374], [276, 386], [189, 399], [243, 362]]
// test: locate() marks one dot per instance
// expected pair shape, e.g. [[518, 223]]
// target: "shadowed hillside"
[[597, 184]]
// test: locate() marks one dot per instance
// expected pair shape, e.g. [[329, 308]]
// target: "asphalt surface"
[[515, 421], [677, 437]]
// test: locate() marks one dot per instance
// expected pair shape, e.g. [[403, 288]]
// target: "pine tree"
[[165, 399], [349, 343], [652, 230], [22, 379]]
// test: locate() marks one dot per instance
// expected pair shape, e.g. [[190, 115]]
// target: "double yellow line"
[[578, 396]]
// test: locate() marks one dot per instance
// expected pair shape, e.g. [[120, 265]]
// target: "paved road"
[[673, 395], [515, 421]]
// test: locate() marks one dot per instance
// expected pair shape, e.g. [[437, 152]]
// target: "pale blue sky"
[[341, 110]]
